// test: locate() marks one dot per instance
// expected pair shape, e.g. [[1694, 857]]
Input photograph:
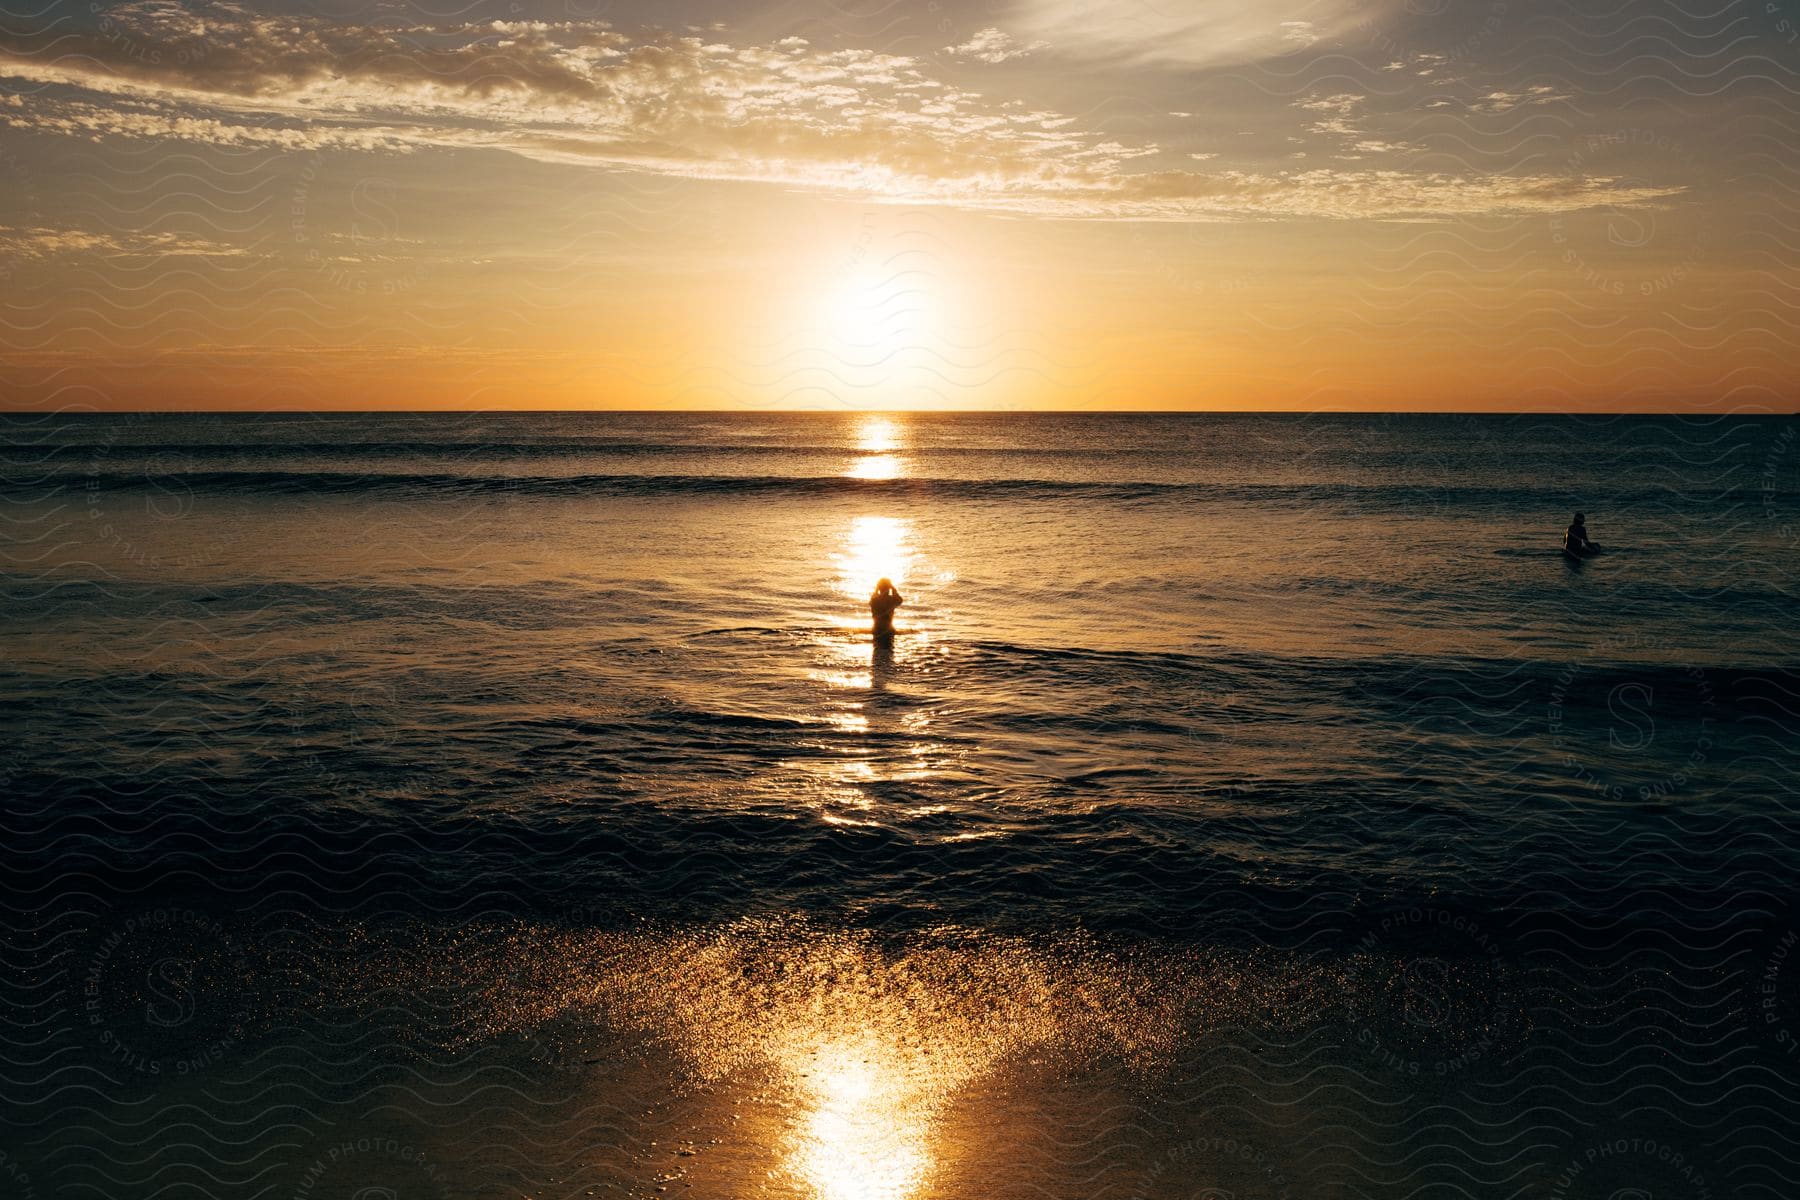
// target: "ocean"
[[1250, 805]]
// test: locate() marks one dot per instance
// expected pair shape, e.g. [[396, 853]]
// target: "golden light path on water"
[[877, 440], [875, 548], [865, 1044], [876, 466], [800, 1058], [865, 1135], [872, 547]]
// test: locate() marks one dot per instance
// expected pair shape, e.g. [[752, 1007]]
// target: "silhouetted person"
[[1576, 542], [882, 603]]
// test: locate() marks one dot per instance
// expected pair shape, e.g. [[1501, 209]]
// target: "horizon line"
[[1073, 412]]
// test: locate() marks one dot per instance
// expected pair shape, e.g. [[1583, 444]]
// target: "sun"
[[879, 309], [880, 331]]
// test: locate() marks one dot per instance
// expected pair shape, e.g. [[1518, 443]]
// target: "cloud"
[[850, 121], [1340, 113], [993, 46], [134, 118], [1391, 194], [1194, 33], [1505, 101], [46, 242], [1298, 34], [1343, 119]]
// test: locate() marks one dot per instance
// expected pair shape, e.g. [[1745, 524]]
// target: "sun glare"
[[877, 435], [876, 312], [863, 1138], [879, 333], [875, 466], [876, 440], [875, 548]]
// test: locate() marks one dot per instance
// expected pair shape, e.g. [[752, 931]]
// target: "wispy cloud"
[[1502, 100], [1339, 112], [1353, 194], [993, 46], [1193, 33], [1343, 119], [790, 113], [46, 242]]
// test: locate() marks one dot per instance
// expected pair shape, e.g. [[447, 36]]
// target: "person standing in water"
[[1576, 542], [882, 603]]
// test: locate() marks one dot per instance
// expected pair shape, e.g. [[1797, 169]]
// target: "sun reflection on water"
[[864, 1136], [833, 1063], [875, 548], [876, 466], [877, 440], [878, 435]]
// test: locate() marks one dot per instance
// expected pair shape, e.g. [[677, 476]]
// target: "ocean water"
[[1251, 805]]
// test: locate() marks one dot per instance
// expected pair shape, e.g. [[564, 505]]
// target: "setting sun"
[[881, 311]]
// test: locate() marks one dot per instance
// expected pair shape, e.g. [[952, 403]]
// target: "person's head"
[[885, 585], [1580, 519]]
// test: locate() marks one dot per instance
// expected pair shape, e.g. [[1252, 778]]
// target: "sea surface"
[[1251, 805]]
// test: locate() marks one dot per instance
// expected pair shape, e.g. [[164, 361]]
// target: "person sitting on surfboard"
[[882, 603], [1576, 542]]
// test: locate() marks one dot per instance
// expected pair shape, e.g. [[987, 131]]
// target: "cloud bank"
[[849, 121]]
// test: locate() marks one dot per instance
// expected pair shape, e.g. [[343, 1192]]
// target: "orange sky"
[[1308, 204]]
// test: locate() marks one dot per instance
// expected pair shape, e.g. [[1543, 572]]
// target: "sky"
[[895, 204]]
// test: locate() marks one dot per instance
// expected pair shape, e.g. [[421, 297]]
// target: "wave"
[[550, 448], [1386, 496]]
